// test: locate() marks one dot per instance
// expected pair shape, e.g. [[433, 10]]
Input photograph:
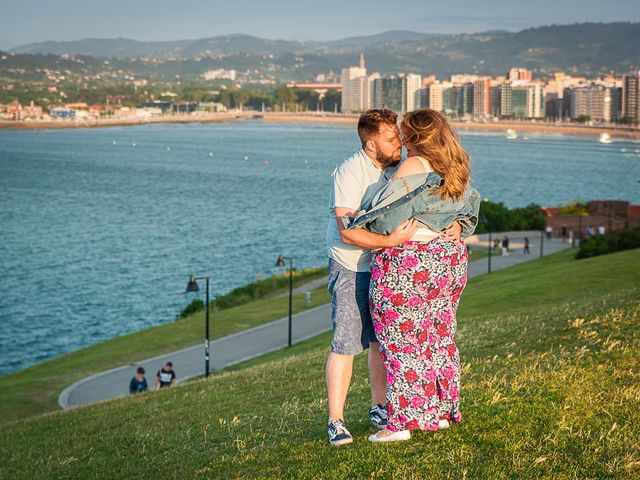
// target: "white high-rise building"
[[597, 102], [535, 101], [370, 84], [410, 86], [436, 95], [356, 94]]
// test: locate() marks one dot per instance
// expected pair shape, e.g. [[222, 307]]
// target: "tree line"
[[274, 98]]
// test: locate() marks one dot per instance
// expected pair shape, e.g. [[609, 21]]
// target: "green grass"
[[478, 254], [551, 389], [35, 390]]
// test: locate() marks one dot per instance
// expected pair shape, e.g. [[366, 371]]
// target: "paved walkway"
[[236, 348]]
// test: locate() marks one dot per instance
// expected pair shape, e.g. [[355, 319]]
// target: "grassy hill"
[[550, 353]]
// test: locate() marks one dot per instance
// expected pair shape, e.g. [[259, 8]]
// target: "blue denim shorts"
[[352, 326]]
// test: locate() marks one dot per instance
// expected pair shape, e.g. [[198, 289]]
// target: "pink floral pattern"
[[414, 295]]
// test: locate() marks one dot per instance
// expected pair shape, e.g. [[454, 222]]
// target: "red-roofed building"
[[610, 214]]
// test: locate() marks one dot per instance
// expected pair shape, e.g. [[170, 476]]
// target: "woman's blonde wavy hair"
[[434, 139]]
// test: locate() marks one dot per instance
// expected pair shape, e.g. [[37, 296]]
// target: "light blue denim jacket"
[[413, 197]]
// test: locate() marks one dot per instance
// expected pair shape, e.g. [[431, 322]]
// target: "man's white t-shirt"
[[355, 181]]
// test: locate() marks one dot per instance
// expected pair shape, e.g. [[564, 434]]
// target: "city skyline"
[[33, 21]]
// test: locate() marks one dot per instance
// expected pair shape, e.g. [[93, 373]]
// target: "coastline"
[[126, 121], [318, 119]]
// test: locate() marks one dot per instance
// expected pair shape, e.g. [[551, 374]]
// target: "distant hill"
[[240, 43], [127, 48], [588, 48], [105, 47], [383, 38]]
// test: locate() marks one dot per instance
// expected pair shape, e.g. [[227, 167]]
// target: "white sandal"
[[393, 437]]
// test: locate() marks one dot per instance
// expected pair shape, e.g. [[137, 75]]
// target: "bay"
[[100, 228]]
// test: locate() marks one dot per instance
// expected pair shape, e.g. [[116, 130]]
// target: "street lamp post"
[[192, 286], [489, 253], [280, 263], [487, 223], [579, 225]]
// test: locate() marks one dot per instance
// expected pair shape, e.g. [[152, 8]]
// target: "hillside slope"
[[550, 390]]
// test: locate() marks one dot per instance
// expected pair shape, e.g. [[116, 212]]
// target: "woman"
[[416, 286]]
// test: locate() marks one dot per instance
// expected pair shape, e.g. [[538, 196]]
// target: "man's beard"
[[388, 160]]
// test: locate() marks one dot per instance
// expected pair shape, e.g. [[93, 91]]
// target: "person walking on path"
[[165, 377], [416, 286], [138, 383], [525, 249], [505, 246]]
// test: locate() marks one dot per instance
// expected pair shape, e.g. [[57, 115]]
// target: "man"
[[355, 182], [165, 377], [138, 383]]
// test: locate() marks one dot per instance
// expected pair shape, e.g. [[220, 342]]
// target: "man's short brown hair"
[[370, 121]]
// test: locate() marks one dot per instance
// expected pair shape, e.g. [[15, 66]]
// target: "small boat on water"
[[511, 134], [605, 138]]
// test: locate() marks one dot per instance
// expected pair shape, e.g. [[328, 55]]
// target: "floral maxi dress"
[[414, 294]]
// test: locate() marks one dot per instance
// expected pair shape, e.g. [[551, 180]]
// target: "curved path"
[[241, 346]]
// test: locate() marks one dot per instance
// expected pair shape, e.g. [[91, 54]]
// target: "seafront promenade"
[[242, 346], [320, 118]]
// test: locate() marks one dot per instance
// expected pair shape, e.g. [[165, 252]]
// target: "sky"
[[29, 21]]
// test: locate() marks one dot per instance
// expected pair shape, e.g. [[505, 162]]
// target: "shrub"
[[195, 306], [609, 243], [255, 290], [496, 217]]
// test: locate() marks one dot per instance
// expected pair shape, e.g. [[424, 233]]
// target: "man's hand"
[[403, 232], [452, 232]]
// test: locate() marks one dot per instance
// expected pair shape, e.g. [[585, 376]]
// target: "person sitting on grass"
[[165, 377], [138, 383]]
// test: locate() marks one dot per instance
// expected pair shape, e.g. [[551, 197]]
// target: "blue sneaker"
[[338, 433], [378, 416]]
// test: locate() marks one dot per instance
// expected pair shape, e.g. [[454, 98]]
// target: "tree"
[[496, 217], [530, 217], [332, 101], [239, 98], [286, 96], [493, 217]]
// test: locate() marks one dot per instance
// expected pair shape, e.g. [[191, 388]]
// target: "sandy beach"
[[334, 119], [125, 121], [317, 118]]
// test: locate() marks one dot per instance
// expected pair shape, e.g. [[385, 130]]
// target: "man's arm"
[[373, 241]]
